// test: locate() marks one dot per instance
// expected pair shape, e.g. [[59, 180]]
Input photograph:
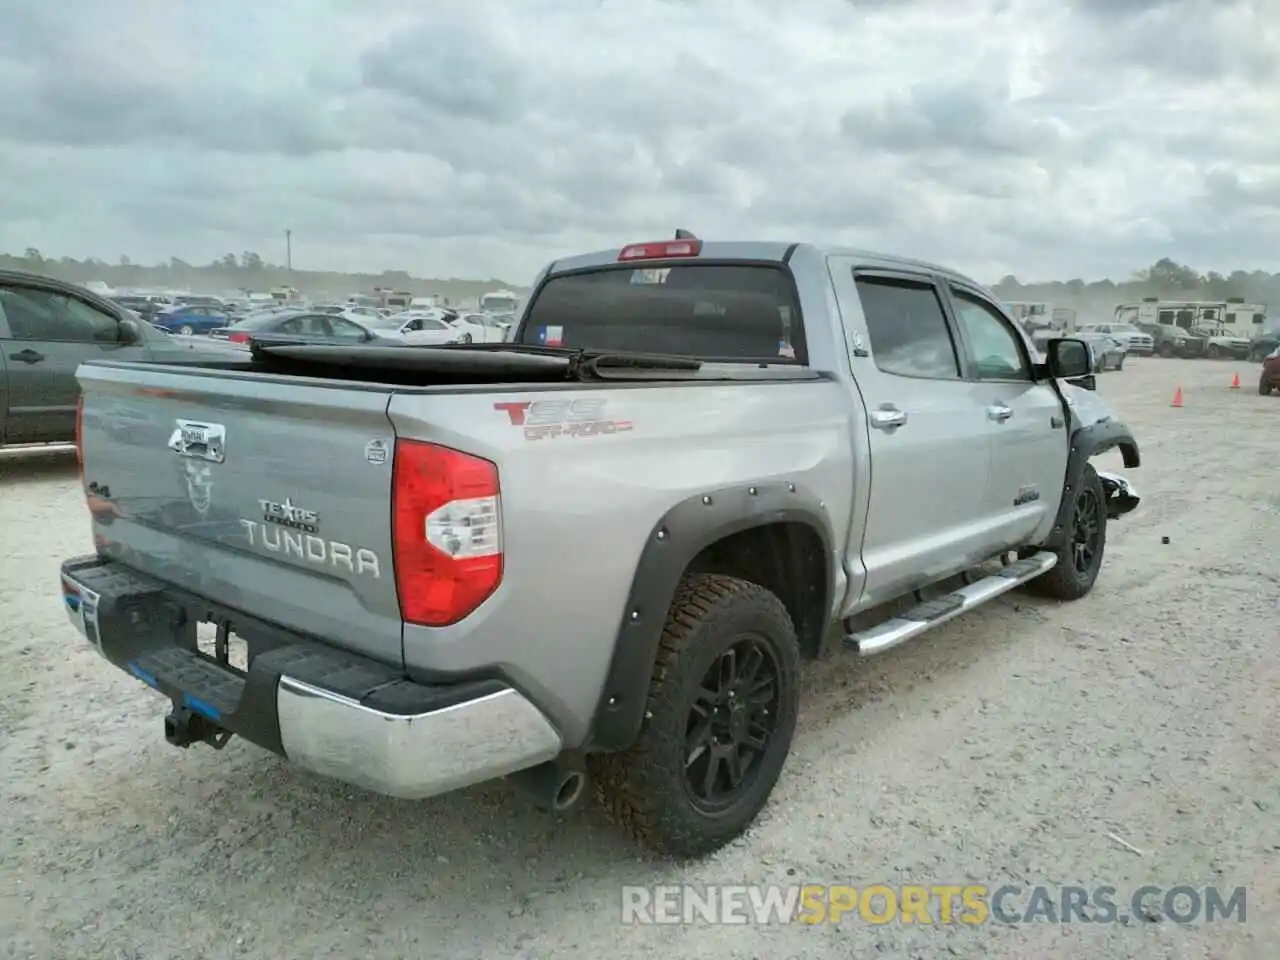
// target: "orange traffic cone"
[[1177, 397], [1235, 382]]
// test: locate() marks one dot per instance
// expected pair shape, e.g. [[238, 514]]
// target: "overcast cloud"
[[484, 137]]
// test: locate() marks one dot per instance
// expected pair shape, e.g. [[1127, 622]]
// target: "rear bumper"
[[326, 710]]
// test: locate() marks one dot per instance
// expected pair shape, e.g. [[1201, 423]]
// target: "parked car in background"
[[1106, 352], [305, 325], [367, 310], [1270, 379], [471, 327], [480, 328], [352, 310], [192, 320], [144, 307], [47, 329], [509, 320], [1265, 342], [1171, 341], [1135, 339], [1222, 343], [200, 300], [421, 330]]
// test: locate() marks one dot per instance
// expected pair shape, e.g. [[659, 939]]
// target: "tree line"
[[247, 272], [1165, 279]]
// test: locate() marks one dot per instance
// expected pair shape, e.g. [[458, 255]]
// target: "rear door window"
[[315, 324], [345, 329], [908, 330], [734, 312], [42, 315]]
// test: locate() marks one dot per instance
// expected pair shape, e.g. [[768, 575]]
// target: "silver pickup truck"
[[598, 551]]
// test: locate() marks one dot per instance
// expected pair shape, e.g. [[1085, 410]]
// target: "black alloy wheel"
[[1082, 542], [1086, 531], [730, 723]]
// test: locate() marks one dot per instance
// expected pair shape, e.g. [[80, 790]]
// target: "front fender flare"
[[685, 531], [1086, 443]]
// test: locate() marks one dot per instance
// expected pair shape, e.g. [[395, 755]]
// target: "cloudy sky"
[[484, 137]]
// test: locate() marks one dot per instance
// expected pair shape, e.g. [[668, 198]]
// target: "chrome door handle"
[[888, 417], [999, 412]]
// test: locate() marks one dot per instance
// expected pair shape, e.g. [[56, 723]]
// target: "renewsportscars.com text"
[[970, 904]]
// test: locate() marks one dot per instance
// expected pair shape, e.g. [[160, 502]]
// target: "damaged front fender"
[[1094, 430]]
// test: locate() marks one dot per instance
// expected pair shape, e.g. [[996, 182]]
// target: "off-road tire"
[[1165, 349], [644, 787], [1064, 582], [1264, 386], [1213, 352]]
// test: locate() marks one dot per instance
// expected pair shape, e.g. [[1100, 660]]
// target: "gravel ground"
[[1002, 748]]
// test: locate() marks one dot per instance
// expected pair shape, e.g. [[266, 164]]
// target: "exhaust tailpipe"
[[556, 786]]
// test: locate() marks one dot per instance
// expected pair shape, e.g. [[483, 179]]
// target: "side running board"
[[925, 616]]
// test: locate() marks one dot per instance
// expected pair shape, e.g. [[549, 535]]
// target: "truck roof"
[[761, 250]]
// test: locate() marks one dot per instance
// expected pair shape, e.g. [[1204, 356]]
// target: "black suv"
[[1171, 341]]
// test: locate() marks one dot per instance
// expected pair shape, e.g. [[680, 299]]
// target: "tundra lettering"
[[358, 560]]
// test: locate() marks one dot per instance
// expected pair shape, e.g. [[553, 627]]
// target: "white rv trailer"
[[1233, 314]]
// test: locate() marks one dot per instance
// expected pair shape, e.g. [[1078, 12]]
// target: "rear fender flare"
[[675, 541]]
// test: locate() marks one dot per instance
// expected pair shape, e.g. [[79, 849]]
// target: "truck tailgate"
[[265, 495]]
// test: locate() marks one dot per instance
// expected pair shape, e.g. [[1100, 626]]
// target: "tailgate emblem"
[[199, 486], [204, 441]]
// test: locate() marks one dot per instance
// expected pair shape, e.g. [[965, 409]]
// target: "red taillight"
[[80, 435], [238, 337], [446, 532], [661, 250]]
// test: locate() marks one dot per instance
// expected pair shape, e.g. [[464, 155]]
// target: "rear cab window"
[[718, 312]]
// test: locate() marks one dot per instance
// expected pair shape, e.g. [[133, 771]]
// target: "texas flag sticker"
[[551, 336]]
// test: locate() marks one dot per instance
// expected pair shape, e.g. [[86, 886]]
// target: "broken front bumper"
[[326, 710], [1122, 498]]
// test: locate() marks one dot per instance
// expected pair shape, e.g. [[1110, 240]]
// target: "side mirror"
[[1068, 359], [129, 333]]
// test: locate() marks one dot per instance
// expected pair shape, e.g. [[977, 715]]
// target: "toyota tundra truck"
[[592, 556]]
